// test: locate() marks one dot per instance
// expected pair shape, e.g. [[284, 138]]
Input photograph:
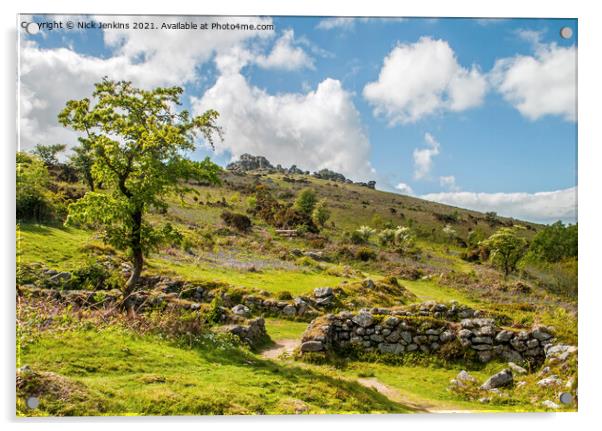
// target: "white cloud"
[[51, 77], [346, 23], [172, 55], [423, 158], [336, 23], [421, 79], [315, 130], [285, 55], [449, 183], [542, 84], [543, 207], [404, 188]]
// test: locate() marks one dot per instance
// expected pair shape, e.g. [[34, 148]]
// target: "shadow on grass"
[[367, 399]]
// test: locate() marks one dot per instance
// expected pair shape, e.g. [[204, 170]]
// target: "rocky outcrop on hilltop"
[[248, 162]]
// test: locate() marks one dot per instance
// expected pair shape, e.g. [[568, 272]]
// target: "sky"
[[475, 113]]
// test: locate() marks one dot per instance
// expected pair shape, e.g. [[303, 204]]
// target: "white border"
[[590, 141]]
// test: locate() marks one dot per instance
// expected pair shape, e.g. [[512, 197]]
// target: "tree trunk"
[[137, 260]]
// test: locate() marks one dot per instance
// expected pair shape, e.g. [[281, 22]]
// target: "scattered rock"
[[553, 380], [322, 292], [501, 379], [550, 404], [516, 368], [542, 333], [289, 310], [315, 255], [241, 310], [312, 346], [560, 352], [60, 277], [463, 379]]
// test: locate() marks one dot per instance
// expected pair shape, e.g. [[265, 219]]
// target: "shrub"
[[449, 232], [306, 201], [555, 242], [238, 221], [320, 214], [386, 237], [285, 295], [365, 254], [214, 314], [291, 218], [94, 276], [33, 199], [362, 235]]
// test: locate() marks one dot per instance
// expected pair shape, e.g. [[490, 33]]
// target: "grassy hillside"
[[96, 361]]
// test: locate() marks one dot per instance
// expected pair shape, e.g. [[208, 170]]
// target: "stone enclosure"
[[396, 332]]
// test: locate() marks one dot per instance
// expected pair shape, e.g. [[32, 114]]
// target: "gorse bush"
[[365, 254], [239, 222]]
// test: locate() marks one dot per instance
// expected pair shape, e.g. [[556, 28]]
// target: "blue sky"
[[486, 121]]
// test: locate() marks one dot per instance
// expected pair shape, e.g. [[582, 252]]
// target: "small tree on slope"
[[507, 248], [139, 142]]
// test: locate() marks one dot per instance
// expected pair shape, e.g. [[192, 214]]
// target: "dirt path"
[[278, 348], [394, 395]]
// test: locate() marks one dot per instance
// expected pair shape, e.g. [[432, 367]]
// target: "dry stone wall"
[[400, 331]]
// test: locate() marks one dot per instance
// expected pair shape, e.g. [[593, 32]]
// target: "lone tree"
[[139, 143], [507, 248]]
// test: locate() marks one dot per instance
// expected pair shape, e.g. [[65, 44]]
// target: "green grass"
[[296, 282], [428, 385], [430, 290], [58, 247], [126, 374], [280, 329]]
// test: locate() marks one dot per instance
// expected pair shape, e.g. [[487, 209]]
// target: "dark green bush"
[[365, 254], [238, 221]]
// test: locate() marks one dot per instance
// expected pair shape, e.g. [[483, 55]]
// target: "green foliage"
[[321, 213], [214, 314], [251, 202], [365, 254], [240, 222], [48, 153], [377, 221], [362, 235], [285, 295], [34, 201], [139, 144], [82, 160], [475, 237], [555, 242], [507, 248], [94, 276], [386, 237], [306, 201], [449, 232]]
